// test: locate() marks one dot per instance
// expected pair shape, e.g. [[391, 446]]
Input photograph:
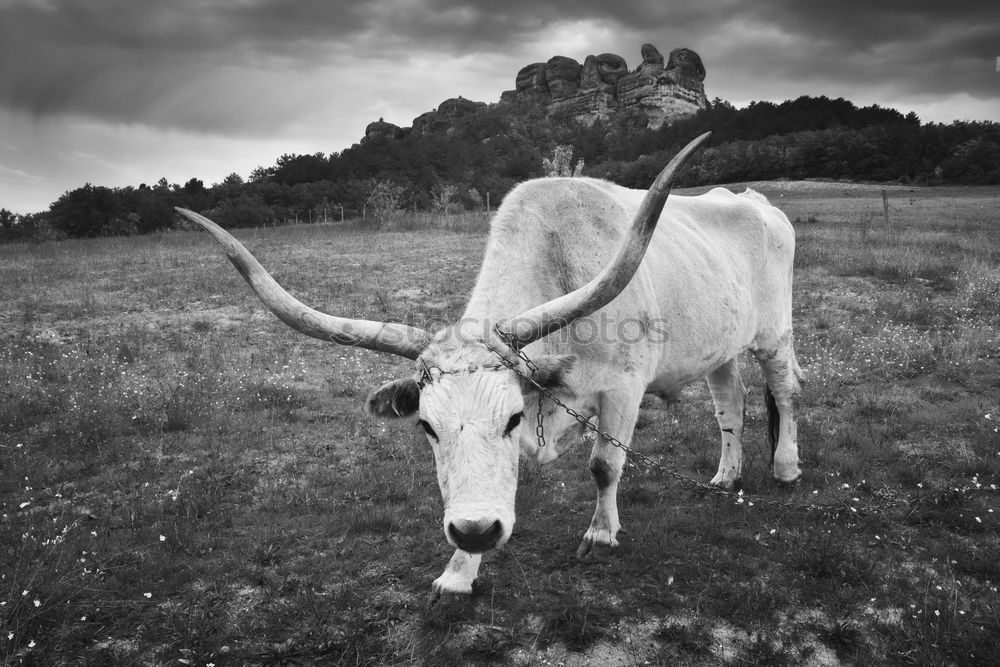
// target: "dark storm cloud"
[[119, 59], [914, 46], [190, 63]]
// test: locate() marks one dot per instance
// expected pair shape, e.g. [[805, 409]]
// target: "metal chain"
[[739, 497]]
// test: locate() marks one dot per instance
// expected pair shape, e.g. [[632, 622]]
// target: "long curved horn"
[[398, 339], [553, 315]]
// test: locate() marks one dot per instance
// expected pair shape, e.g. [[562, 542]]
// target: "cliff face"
[[602, 88]]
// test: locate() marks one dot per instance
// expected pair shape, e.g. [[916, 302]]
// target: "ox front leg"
[[462, 570], [781, 374], [729, 397], [617, 418]]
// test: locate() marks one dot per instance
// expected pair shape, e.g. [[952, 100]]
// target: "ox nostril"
[[475, 537], [496, 531]]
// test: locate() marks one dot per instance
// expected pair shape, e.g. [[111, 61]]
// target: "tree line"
[[487, 153]]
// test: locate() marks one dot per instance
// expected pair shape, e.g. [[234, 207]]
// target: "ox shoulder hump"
[[755, 196]]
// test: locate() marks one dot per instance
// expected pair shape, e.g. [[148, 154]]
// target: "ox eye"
[[515, 419], [428, 429]]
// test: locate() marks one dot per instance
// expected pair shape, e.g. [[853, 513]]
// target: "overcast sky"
[[123, 92]]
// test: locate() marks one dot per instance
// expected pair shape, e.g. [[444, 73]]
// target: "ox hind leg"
[[729, 397], [618, 413], [781, 373]]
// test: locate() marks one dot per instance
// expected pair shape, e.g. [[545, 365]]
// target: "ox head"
[[470, 405]]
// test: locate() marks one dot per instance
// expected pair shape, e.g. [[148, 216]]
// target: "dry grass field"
[[186, 481]]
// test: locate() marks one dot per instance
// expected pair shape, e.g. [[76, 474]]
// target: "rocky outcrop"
[[562, 76], [381, 128], [443, 118], [604, 89], [664, 93], [658, 92]]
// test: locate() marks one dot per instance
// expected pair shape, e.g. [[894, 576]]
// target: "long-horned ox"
[[642, 310]]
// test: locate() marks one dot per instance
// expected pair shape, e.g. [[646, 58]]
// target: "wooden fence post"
[[885, 209]]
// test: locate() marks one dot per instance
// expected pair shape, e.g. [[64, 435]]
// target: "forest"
[[480, 158]]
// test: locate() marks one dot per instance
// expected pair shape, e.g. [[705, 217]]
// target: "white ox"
[[640, 312]]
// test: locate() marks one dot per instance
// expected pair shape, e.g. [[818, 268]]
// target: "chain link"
[[842, 508]]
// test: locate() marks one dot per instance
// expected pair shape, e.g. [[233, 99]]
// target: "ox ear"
[[552, 371], [399, 398]]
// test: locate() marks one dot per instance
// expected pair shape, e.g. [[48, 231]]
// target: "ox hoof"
[[784, 481], [787, 474], [721, 482], [600, 538], [448, 584]]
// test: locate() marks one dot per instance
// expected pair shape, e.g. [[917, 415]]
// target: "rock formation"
[[664, 94], [602, 88], [442, 119], [381, 128]]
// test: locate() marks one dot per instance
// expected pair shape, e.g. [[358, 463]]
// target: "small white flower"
[[25, 504], [31, 644], [148, 595], [978, 520], [163, 538], [38, 603]]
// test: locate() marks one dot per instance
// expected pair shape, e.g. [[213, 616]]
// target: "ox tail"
[[773, 420]]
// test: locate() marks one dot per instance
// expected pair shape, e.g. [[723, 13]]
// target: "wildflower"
[[31, 644], [163, 538], [148, 595], [38, 603]]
